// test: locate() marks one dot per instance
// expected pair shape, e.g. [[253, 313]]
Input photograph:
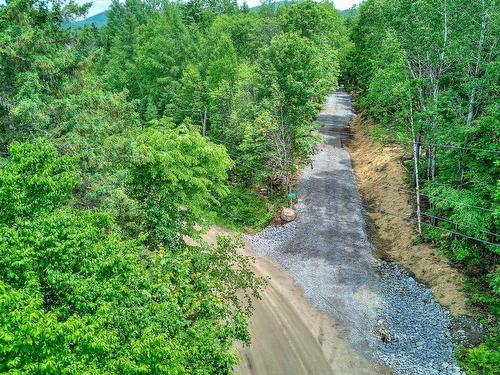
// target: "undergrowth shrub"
[[243, 209]]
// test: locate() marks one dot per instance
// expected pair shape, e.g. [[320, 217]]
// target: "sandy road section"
[[289, 336]]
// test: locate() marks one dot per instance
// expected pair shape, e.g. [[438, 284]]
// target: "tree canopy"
[[427, 71]]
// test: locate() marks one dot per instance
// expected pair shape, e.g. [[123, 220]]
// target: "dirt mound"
[[380, 173]]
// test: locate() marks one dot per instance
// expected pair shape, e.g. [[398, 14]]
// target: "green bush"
[[483, 359], [76, 296], [243, 209]]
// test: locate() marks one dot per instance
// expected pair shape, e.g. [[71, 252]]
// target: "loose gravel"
[[384, 312]]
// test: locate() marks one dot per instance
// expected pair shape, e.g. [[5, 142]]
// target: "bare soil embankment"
[[380, 173]]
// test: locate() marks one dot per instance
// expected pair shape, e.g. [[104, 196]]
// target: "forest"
[[118, 142], [427, 73]]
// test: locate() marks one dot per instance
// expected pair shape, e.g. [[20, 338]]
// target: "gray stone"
[[466, 331]]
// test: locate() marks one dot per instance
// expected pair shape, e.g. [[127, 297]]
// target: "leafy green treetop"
[[175, 174]]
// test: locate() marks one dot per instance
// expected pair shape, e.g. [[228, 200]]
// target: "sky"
[[101, 5]]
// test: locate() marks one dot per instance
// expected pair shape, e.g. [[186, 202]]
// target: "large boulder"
[[466, 331], [288, 214]]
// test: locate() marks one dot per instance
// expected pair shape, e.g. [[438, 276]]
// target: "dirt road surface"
[[290, 337]]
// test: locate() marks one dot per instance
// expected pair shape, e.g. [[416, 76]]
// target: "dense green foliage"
[[78, 297], [174, 175], [116, 143], [227, 73], [428, 72]]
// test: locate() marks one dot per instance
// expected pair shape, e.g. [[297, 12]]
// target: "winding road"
[[380, 314]]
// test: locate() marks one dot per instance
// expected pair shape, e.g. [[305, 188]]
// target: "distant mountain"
[[347, 12], [274, 5], [100, 19]]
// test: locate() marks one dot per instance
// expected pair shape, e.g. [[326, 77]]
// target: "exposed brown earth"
[[380, 173]]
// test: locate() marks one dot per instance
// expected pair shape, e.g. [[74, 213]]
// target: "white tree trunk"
[[204, 123], [416, 157], [416, 146], [472, 98]]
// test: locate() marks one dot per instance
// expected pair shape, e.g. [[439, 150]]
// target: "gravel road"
[[384, 313], [290, 337]]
